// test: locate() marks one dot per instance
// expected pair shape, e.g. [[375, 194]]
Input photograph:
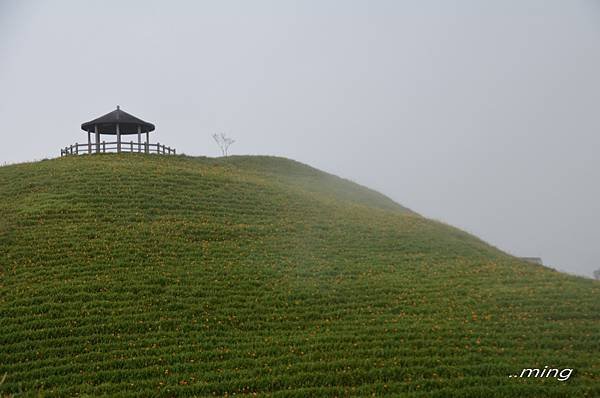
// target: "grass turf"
[[137, 275]]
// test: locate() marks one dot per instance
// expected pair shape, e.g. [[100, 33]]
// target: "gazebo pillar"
[[139, 138], [97, 138], [148, 141], [118, 139], [89, 141]]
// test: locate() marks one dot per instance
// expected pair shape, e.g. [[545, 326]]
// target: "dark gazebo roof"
[[128, 124]]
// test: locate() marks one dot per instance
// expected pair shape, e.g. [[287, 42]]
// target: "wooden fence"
[[118, 147]]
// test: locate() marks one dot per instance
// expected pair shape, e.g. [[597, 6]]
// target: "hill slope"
[[174, 276]]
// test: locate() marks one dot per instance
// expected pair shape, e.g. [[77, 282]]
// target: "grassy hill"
[[134, 275]]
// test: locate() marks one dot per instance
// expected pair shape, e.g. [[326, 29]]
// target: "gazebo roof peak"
[[128, 124]]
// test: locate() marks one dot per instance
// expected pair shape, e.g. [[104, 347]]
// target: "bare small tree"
[[223, 142]]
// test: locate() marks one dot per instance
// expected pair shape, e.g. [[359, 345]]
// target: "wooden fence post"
[[131, 144], [103, 146]]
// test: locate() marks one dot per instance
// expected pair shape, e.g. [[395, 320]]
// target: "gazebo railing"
[[112, 147]]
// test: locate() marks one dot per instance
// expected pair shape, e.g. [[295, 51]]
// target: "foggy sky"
[[484, 115]]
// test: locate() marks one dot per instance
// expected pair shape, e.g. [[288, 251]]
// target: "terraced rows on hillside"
[[140, 275]]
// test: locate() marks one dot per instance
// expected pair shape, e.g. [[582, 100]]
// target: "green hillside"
[[145, 275]]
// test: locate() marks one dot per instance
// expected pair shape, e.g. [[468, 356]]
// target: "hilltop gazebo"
[[117, 123]]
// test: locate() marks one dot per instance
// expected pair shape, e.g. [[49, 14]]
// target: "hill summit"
[[140, 275]]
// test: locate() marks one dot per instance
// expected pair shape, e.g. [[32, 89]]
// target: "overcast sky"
[[481, 114]]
